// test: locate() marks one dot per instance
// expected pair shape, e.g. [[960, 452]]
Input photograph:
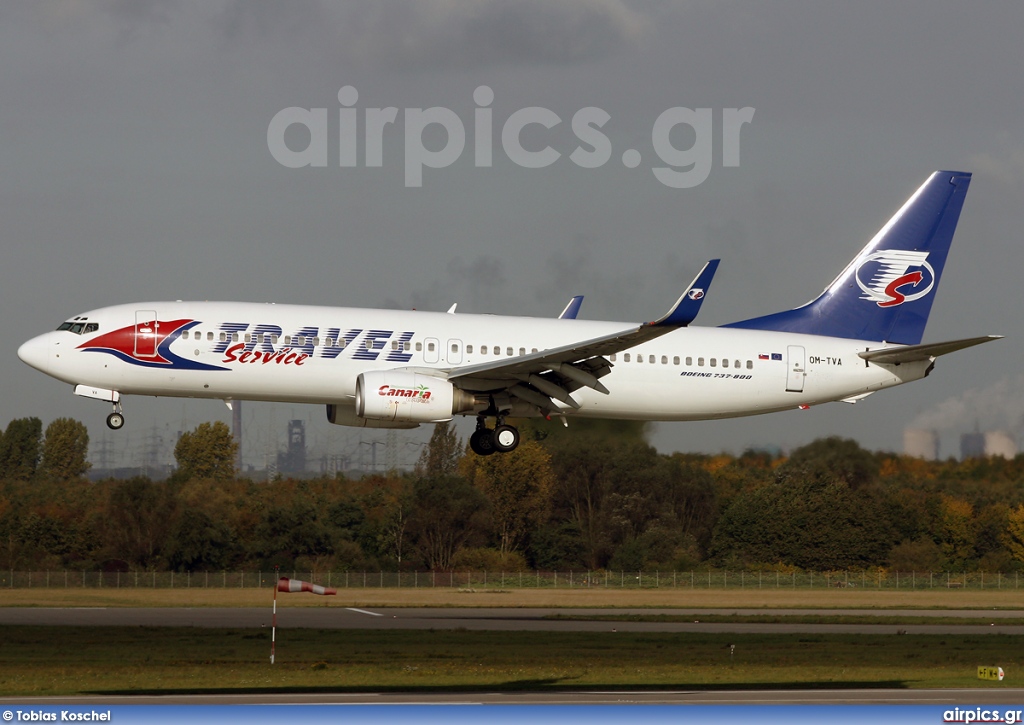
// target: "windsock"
[[284, 584]]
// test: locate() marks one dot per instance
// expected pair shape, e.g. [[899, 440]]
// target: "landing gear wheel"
[[115, 421], [482, 442], [506, 438]]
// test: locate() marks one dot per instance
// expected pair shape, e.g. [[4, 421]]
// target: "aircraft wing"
[[555, 373]]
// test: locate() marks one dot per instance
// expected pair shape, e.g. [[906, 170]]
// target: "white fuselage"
[[305, 354]]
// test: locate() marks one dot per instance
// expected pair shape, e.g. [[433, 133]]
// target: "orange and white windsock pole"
[[284, 584]]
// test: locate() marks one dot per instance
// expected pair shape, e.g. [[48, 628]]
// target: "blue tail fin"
[[886, 292]]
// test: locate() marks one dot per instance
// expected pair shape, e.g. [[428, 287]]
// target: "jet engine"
[[408, 398]]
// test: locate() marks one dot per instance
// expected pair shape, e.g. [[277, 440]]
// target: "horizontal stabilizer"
[[917, 353], [688, 305]]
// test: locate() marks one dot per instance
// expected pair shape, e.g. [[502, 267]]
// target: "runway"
[[504, 619]]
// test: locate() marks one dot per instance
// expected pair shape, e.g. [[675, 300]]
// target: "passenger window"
[[533, 350], [234, 337], [469, 349], [394, 344], [316, 342], [483, 349], [248, 338], [408, 346], [750, 364], [430, 347], [612, 357], [650, 359], [223, 337], [625, 357], [639, 358], [700, 362], [689, 361], [736, 363], [675, 360], [273, 339], [714, 362], [455, 347], [419, 347], [184, 335], [725, 362], [287, 339], [664, 359], [522, 351], [508, 351]]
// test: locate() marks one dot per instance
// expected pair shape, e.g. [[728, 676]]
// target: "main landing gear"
[[501, 439]]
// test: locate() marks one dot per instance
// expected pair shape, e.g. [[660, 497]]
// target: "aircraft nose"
[[36, 352]]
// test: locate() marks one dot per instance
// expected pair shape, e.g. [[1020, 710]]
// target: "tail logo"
[[891, 277], [695, 294]]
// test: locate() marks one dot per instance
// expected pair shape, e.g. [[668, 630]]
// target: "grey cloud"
[[442, 34]]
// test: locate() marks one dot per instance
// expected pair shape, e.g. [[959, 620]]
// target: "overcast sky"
[[134, 150]]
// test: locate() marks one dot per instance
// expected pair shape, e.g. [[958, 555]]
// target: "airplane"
[[399, 369]]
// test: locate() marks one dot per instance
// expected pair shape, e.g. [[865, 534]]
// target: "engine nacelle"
[[346, 415], [408, 398]]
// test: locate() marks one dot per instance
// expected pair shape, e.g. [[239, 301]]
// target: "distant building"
[[972, 445], [294, 459], [921, 443]]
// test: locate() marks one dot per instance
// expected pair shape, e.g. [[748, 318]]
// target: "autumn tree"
[[447, 515], [207, 452], [65, 448], [442, 454], [835, 459], [19, 449], [519, 487], [137, 520], [956, 530], [1014, 538]]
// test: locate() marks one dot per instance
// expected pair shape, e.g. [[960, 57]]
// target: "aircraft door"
[[454, 352], [797, 369], [431, 350], [146, 333]]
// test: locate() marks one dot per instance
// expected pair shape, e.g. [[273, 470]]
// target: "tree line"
[[595, 497]]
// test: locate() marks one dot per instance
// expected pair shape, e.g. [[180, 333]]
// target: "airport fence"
[[705, 579]]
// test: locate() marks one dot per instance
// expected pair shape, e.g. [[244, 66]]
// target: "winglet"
[[572, 309], [688, 305]]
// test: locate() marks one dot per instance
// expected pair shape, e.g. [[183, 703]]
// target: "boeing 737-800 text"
[[398, 369]]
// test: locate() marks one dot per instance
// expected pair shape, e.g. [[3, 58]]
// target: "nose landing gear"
[[115, 421]]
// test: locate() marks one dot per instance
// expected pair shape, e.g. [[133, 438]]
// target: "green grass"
[[37, 661]]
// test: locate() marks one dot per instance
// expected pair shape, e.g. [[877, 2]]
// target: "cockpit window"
[[79, 328]]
